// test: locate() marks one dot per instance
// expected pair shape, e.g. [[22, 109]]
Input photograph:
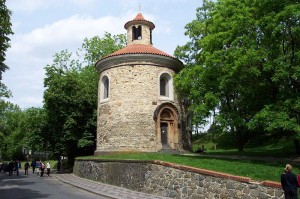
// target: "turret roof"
[[139, 19], [139, 49]]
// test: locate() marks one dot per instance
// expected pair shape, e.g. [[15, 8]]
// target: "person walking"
[[38, 167], [17, 166], [289, 183], [26, 167], [42, 168], [11, 166], [48, 168], [33, 165]]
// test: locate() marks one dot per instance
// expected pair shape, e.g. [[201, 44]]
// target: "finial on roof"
[[140, 7]]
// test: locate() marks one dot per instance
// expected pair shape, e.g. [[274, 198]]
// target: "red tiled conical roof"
[[139, 49], [140, 19]]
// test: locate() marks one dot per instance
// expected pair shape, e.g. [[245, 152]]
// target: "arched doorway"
[[166, 117], [164, 133]]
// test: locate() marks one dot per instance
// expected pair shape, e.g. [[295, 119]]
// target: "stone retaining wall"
[[174, 181]]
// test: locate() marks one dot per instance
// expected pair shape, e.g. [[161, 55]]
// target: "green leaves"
[[243, 64], [70, 98], [97, 48], [5, 31]]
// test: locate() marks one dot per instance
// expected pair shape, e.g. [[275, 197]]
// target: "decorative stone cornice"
[[147, 59]]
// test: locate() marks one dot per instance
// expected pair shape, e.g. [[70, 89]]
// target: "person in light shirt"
[[48, 168]]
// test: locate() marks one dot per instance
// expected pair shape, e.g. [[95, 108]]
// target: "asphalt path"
[[32, 186]]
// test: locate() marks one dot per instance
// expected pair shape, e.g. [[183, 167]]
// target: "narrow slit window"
[[164, 87], [106, 89], [104, 94]]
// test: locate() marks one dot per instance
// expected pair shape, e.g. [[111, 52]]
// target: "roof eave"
[[135, 22], [141, 58]]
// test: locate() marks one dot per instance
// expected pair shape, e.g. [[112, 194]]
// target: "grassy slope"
[[262, 145], [253, 169]]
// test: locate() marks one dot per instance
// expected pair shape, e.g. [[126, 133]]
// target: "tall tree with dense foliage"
[[20, 130], [5, 31], [280, 29], [34, 127], [71, 96], [11, 134], [231, 61]]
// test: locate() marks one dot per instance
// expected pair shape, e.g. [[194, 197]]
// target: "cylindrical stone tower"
[[137, 107]]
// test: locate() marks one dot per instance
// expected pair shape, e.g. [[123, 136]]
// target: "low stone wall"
[[173, 180]]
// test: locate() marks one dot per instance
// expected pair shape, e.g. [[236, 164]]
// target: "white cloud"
[[66, 33], [45, 27], [30, 6], [32, 51]]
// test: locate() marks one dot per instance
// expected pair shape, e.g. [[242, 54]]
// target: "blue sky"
[[45, 27]]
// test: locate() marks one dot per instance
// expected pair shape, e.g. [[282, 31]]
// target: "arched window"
[[136, 33], [104, 89], [166, 86], [164, 91]]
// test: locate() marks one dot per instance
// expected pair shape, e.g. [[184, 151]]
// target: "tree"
[[281, 27], [71, 96], [11, 135], [5, 31], [231, 58], [34, 128]]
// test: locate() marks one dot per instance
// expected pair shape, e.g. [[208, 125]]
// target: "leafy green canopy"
[[70, 98], [11, 133], [242, 64], [5, 31]]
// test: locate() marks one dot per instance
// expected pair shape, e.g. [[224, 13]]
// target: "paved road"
[[33, 186], [104, 189]]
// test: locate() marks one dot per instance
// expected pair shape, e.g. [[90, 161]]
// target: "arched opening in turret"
[[136, 32]]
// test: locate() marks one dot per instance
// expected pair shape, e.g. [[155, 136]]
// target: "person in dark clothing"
[[289, 183], [26, 167], [10, 168], [17, 166], [33, 165]]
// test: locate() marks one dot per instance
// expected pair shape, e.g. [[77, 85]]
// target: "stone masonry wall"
[[175, 181], [125, 119]]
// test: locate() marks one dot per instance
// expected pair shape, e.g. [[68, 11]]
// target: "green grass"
[[254, 169], [262, 145]]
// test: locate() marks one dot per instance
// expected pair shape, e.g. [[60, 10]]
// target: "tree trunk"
[[239, 140], [297, 146]]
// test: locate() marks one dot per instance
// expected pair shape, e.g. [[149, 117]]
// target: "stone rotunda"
[[138, 110]]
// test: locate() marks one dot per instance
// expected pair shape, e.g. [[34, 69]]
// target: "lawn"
[[262, 145], [254, 169]]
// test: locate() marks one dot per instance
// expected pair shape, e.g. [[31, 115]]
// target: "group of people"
[[290, 183], [35, 165], [40, 166], [11, 167]]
